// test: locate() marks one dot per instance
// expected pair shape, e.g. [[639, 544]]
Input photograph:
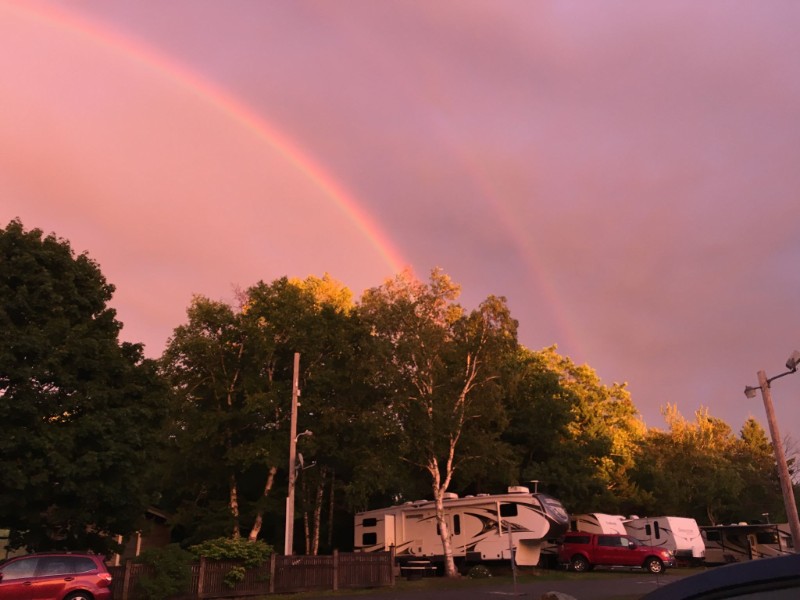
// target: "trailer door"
[[389, 532]]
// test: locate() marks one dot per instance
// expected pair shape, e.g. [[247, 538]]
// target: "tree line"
[[407, 395]]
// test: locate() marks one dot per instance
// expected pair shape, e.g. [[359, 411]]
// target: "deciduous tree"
[[81, 412], [438, 366], [571, 432]]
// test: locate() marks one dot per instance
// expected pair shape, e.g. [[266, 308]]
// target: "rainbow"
[[100, 34], [526, 245], [226, 103]]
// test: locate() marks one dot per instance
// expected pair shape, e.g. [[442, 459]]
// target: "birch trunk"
[[318, 514], [234, 505], [260, 515]]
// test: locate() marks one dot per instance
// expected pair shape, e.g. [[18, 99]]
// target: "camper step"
[[417, 569]]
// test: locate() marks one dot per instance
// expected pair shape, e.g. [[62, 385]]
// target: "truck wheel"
[[580, 564], [654, 565]]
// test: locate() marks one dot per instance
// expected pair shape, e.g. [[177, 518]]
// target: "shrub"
[[479, 572], [171, 572], [251, 554]]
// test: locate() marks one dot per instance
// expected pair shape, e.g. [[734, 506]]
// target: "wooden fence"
[[280, 575]]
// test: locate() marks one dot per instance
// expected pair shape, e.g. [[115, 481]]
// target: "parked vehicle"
[[681, 535], [742, 542], [587, 523], [582, 551], [774, 578], [55, 577], [482, 527], [597, 523]]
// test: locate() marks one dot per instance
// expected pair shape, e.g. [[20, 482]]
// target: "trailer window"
[[713, 536], [654, 531], [766, 537], [508, 509], [369, 539], [372, 522], [456, 526]]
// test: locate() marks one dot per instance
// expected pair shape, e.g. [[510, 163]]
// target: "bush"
[[479, 572], [171, 571], [251, 554]]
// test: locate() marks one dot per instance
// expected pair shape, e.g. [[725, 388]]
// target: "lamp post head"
[[793, 361], [750, 392]]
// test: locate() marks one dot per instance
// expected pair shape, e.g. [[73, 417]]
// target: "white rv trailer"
[[681, 535], [597, 523], [742, 542], [482, 528]]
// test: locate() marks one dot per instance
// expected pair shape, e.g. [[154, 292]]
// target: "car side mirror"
[[631, 546]]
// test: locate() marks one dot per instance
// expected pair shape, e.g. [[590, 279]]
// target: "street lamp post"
[[777, 444]]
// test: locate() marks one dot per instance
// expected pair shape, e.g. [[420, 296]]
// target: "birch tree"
[[437, 366]]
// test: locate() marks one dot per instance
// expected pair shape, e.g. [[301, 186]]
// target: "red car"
[[55, 577]]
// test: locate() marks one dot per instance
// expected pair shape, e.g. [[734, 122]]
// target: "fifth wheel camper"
[[482, 527]]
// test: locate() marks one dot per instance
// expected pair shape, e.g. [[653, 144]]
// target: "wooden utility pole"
[[289, 538], [780, 458]]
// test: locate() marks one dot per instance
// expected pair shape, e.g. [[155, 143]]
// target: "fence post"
[[126, 579], [200, 573], [335, 570], [392, 551], [272, 573]]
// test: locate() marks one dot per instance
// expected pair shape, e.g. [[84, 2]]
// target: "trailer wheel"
[[654, 565], [579, 564]]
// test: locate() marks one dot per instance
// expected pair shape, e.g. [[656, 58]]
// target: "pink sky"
[[624, 173]]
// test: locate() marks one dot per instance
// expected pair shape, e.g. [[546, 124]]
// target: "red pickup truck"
[[583, 551]]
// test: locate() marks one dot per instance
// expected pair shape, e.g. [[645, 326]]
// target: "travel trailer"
[[681, 535], [482, 527], [597, 523], [742, 542]]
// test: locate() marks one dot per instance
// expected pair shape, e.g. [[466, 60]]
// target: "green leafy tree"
[[232, 371], [81, 412], [225, 419], [203, 361], [438, 367], [755, 460], [314, 318], [347, 457], [702, 470], [572, 433]]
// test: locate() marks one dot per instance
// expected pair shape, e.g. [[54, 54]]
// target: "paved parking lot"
[[622, 585]]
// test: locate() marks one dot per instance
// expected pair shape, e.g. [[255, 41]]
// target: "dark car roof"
[[763, 574]]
